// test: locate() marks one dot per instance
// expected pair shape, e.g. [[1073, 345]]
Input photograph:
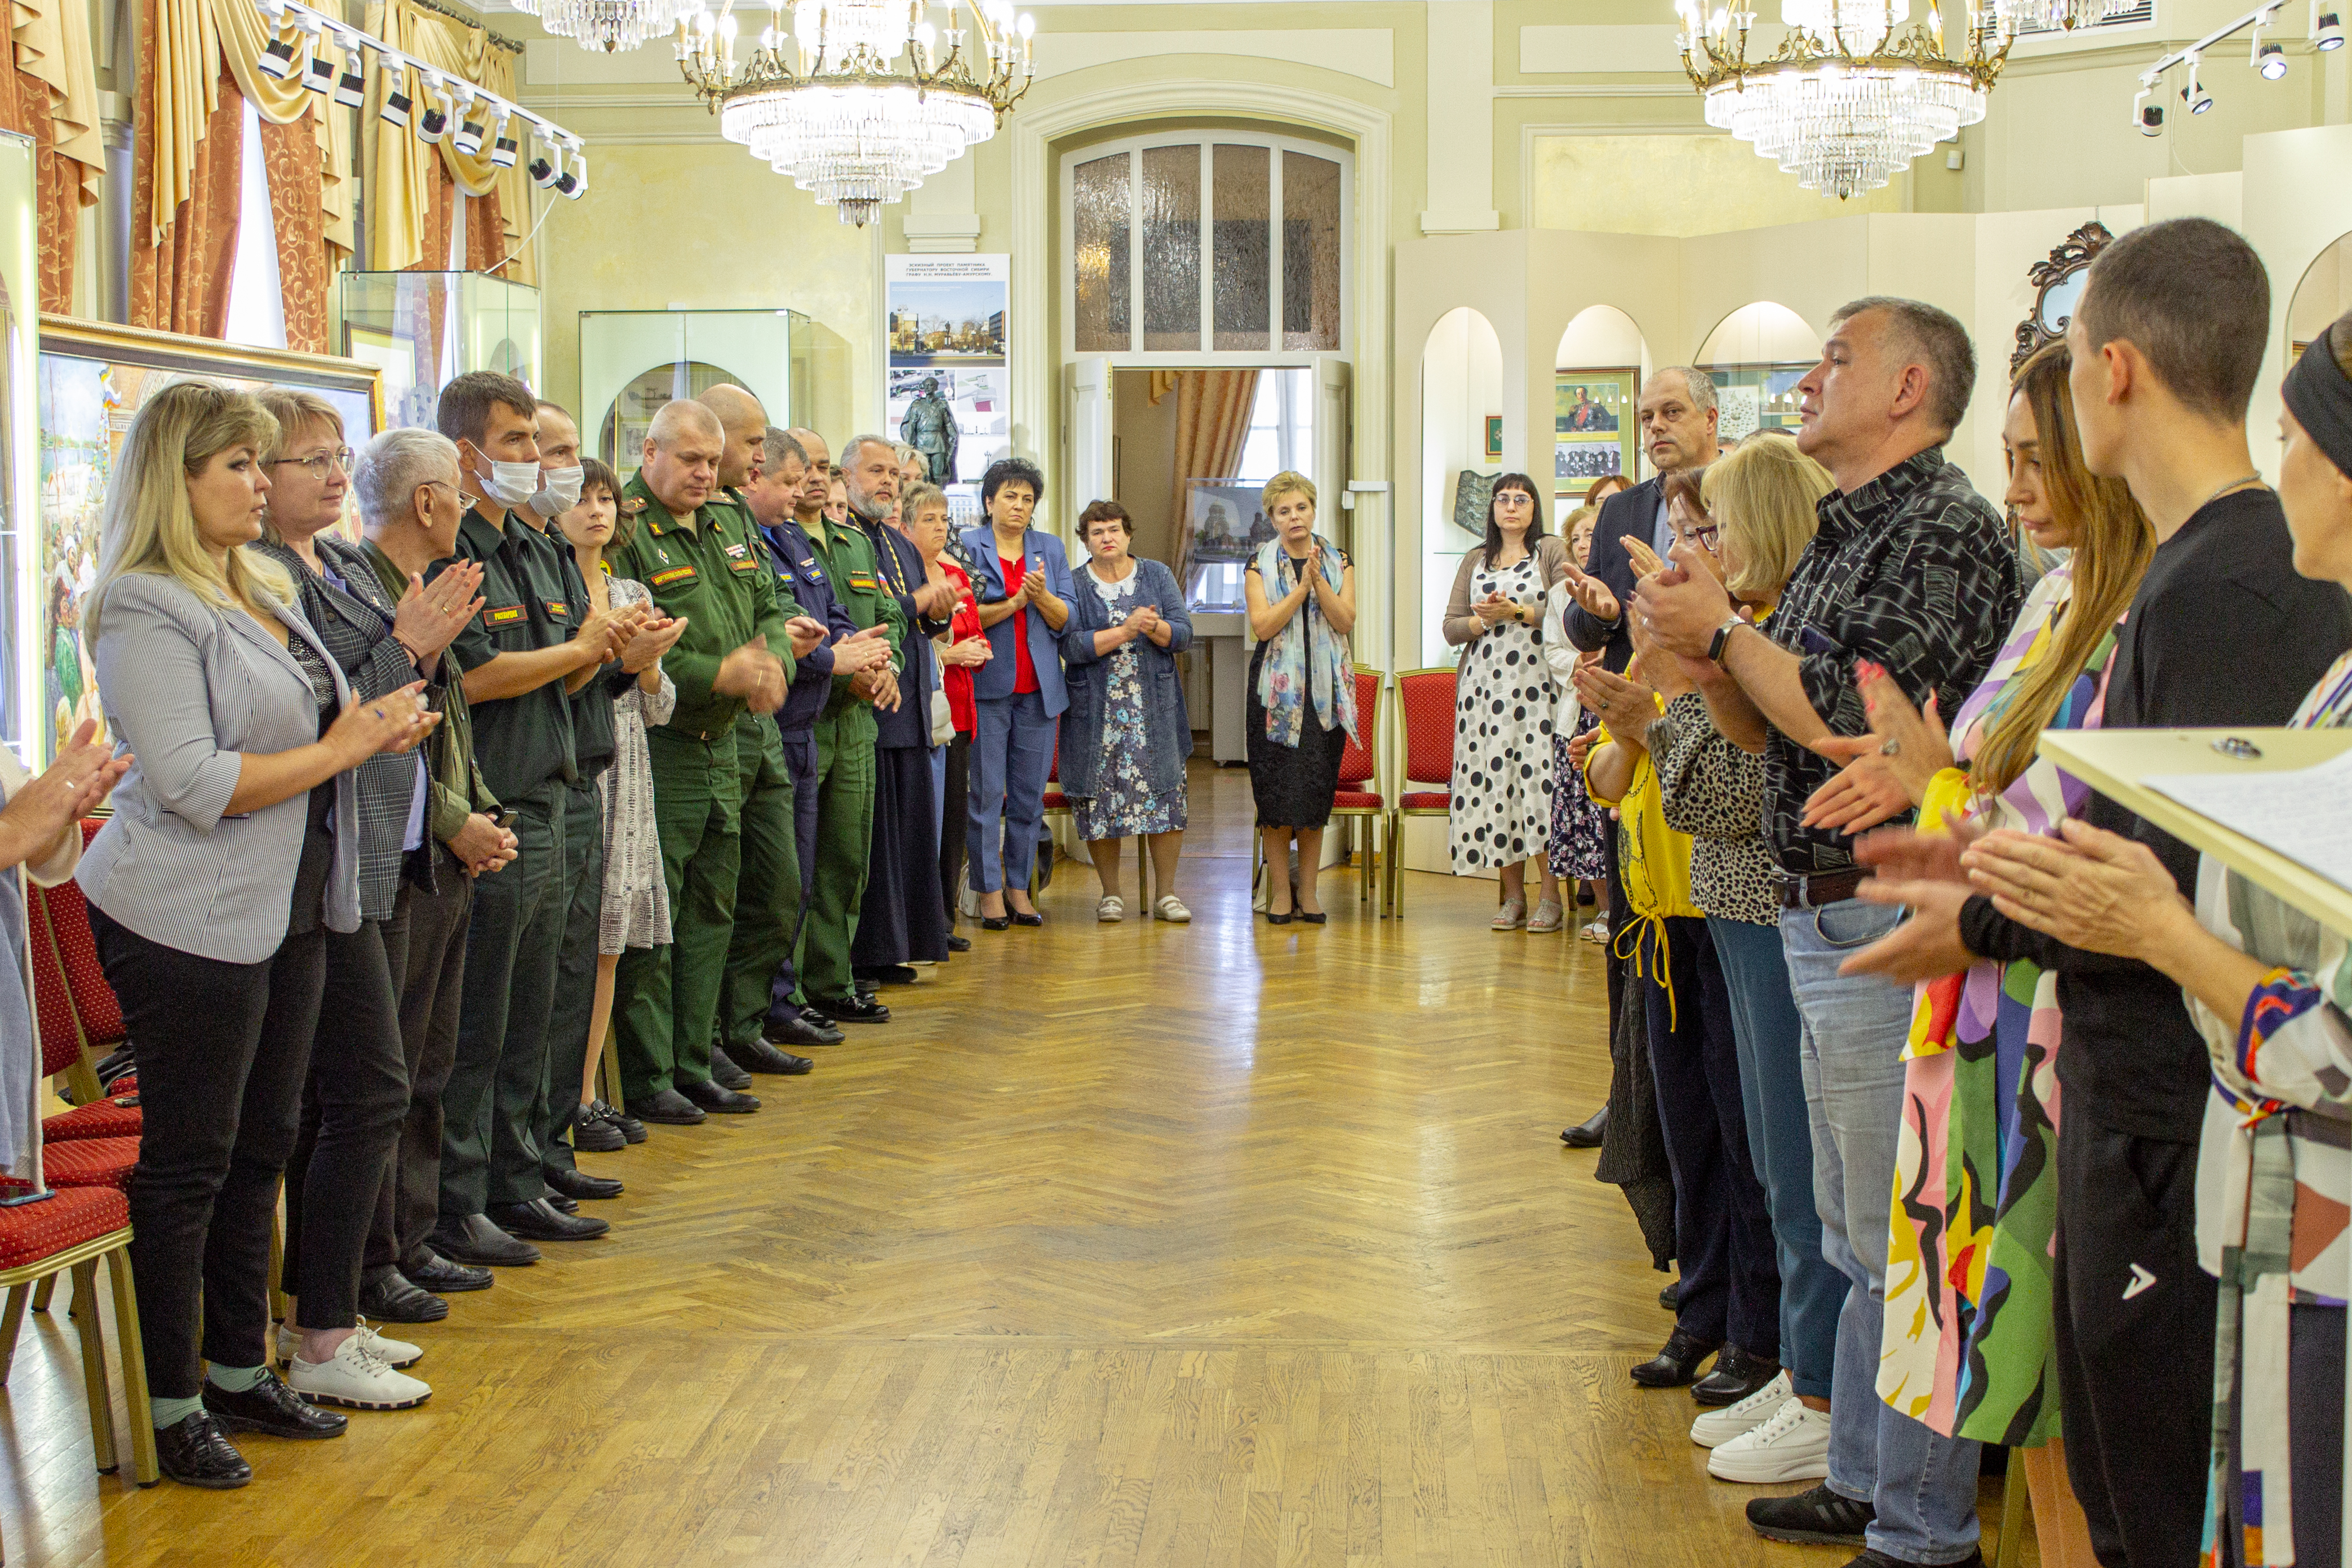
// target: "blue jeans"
[[1924, 1486], [1781, 1138], [1012, 752]]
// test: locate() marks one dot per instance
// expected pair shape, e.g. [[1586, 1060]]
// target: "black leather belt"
[[1821, 887]]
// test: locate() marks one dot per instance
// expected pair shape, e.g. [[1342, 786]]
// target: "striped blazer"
[[355, 623]]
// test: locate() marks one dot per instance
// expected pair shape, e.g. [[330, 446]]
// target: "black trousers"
[[575, 973], [1730, 1288], [353, 1099], [2135, 1338], [222, 1052], [425, 948], [956, 803]]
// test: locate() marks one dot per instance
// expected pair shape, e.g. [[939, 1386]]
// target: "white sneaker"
[[1172, 909], [1793, 1445], [1110, 910], [357, 1378], [1714, 1426], [399, 1353]]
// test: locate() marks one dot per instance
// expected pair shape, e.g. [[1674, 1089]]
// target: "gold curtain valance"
[[400, 172]]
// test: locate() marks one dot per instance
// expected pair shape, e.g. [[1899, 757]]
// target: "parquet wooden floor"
[[1139, 1244]]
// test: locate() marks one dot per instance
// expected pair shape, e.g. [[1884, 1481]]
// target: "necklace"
[[2232, 484]]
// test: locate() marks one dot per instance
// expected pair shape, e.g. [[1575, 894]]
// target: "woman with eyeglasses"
[[355, 1095]]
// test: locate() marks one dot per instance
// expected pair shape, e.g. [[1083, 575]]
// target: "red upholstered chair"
[[69, 1232], [1359, 785], [1426, 698], [60, 921]]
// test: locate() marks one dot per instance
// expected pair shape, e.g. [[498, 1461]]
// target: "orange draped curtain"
[[1213, 419], [181, 283]]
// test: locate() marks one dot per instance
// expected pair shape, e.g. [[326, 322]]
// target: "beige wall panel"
[[2298, 205], [1674, 185]]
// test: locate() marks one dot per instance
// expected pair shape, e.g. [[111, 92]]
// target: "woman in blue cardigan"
[[1023, 579], [1127, 735]]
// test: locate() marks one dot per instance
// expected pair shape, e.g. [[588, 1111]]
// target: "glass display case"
[[633, 362], [1756, 397], [421, 329]]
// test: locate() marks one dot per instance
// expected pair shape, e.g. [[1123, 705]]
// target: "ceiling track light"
[[2268, 58], [2327, 25], [2194, 94]]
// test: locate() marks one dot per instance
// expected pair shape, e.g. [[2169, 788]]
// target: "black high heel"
[[1282, 919], [997, 923], [1316, 918]]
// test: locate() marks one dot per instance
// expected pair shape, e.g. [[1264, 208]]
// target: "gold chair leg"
[[12, 1323], [2015, 1510], [95, 1386], [278, 1309], [608, 1071], [144, 1468], [43, 1293]]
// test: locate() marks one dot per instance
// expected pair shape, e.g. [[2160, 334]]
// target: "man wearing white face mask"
[[559, 462], [534, 642]]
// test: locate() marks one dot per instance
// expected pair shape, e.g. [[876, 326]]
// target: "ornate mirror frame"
[[2068, 261]]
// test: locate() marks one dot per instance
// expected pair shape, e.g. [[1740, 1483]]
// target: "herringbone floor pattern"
[[1139, 1244]]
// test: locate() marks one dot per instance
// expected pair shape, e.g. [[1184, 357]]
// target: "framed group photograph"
[[1595, 432]]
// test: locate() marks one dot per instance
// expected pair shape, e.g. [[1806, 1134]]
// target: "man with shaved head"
[[768, 885], [690, 552]]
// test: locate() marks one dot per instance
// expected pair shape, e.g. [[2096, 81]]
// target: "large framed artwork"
[[92, 377], [1595, 432]]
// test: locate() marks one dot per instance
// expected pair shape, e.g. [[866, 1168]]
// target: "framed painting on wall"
[[1755, 397], [1595, 432], [90, 379]]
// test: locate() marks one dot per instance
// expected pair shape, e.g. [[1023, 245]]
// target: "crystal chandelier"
[[830, 101], [606, 25], [1850, 95]]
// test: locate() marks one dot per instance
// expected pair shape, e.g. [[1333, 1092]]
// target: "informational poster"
[[949, 389], [1594, 427], [89, 384]]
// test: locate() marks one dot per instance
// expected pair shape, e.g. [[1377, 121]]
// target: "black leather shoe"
[[958, 943], [197, 1453], [997, 923], [592, 1135], [720, 1100], [477, 1240], [542, 1222], [428, 1270], [389, 1296], [1032, 918], [761, 1057], [790, 1027], [578, 1184], [853, 1009], [1815, 1517], [1587, 1134], [668, 1109], [561, 1204], [271, 1408], [1735, 1376], [1675, 1363], [725, 1073], [887, 975], [632, 1130], [1285, 918], [1671, 1297]]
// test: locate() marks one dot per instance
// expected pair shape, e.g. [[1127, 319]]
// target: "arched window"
[[1212, 242]]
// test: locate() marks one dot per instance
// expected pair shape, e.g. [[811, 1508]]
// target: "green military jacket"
[[848, 557], [707, 569]]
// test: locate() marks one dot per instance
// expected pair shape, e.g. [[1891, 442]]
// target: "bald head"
[[816, 485], [745, 425], [683, 448]]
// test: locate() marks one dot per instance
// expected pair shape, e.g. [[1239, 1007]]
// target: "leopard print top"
[[1714, 792]]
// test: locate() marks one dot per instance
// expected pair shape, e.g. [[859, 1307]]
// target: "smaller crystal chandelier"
[[605, 24], [831, 103], [1849, 98]]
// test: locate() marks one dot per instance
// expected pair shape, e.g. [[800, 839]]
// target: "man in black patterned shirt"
[[1911, 569]]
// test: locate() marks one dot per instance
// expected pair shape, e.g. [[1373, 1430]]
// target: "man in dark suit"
[[1677, 412]]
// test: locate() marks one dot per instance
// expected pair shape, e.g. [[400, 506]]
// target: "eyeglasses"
[[322, 464], [1707, 535]]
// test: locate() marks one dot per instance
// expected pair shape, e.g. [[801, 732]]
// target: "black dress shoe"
[[1032, 918], [792, 1028], [632, 1130], [853, 1009], [720, 1100], [542, 1222], [1314, 916], [761, 1057], [1675, 1363], [196, 1453], [1735, 1376], [578, 1184], [958, 943], [889, 975], [271, 1408], [428, 1270], [668, 1109], [997, 923], [592, 1135], [1285, 918], [1671, 1297], [477, 1240], [390, 1296], [1816, 1517], [561, 1204], [1588, 1133], [725, 1073]]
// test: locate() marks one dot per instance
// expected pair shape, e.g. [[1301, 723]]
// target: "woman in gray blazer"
[[232, 851], [1126, 736]]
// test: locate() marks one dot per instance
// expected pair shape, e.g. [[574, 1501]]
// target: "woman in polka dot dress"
[[1503, 764]]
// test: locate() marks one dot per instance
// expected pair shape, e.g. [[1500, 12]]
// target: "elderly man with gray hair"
[[407, 482]]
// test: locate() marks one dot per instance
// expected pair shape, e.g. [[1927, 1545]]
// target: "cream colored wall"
[[1671, 184]]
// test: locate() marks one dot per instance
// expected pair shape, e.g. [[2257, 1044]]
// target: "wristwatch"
[[1722, 638]]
